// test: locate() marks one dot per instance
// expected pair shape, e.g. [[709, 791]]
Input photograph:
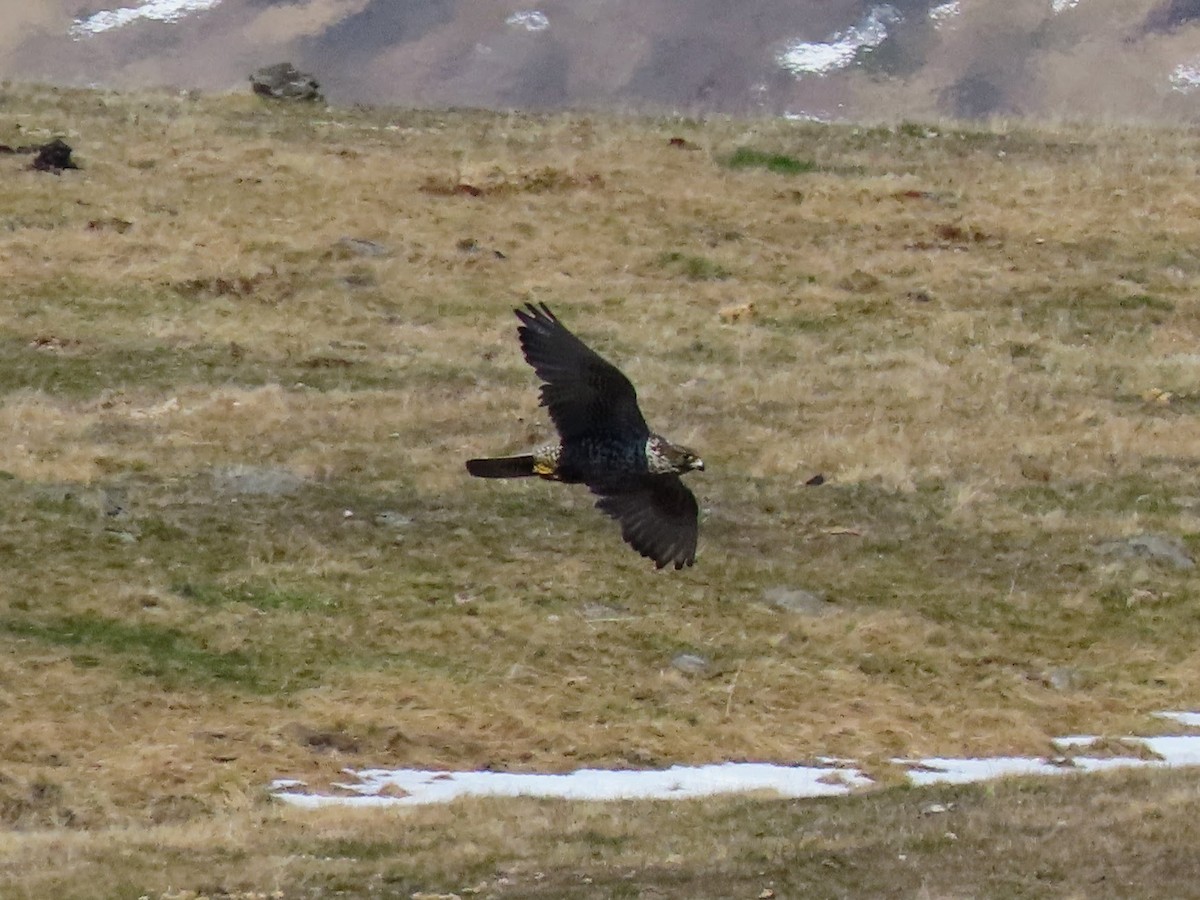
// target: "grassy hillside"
[[239, 541]]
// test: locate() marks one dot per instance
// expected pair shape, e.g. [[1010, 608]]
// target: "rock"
[[794, 600], [472, 247], [245, 480], [737, 312], [1063, 678], [360, 280], [283, 81], [1156, 547], [352, 246], [389, 518], [53, 157], [690, 663], [322, 740], [114, 503], [603, 612], [1034, 469], [859, 282]]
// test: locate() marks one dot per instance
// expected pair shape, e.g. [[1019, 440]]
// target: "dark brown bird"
[[605, 443]]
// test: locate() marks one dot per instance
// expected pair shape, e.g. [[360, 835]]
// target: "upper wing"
[[659, 517], [584, 393]]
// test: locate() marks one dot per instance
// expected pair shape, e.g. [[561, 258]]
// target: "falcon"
[[604, 443]]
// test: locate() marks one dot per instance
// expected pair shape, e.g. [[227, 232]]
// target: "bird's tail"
[[502, 467]]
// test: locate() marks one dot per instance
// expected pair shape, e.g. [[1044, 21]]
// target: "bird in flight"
[[604, 443]]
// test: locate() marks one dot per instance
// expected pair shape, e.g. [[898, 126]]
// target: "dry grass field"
[[239, 542]]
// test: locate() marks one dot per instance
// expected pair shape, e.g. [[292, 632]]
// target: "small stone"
[[389, 518], [114, 503], [361, 247], [246, 480], [690, 663], [801, 602], [859, 282], [1157, 547], [1062, 678], [602, 612]]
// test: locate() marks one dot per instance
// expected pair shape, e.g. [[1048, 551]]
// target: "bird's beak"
[[698, 465]]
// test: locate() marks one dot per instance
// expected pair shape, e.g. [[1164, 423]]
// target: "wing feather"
[[658, 515], [585, 394]]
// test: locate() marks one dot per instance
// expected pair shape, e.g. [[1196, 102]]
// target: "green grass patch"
[[781, 163], [168, 655], [260, 596], [692, 267], [87, 370], [1146, 301]]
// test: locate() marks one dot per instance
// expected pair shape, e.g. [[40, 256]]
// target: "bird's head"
[[676, 458]]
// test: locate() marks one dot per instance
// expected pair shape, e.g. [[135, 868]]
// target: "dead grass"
[[240, 542]]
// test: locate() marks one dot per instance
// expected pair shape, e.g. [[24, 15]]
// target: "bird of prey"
[[604, 443]]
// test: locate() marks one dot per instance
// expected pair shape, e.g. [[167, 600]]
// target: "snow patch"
[[839, 50], [945, 13], [939, 770], [1185, 77], [1188, 719], [529, 19], [414, 787], [806, 117], [155, 10], [829, 778]]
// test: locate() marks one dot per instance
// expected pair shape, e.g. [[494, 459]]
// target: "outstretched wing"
[[659, 517], [585, 394]]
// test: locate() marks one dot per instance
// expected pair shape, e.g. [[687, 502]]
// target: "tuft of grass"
[[260, 596], [1146, 301], [750, 158], [695, 268]]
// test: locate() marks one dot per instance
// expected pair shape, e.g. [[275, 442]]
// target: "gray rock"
[[1156, 547], [283, 81], [389, 518], [114, 503], [359, 280], [265, 481], [1063, 678], [794, 600], [602, 612], [353, 246], [690, 663]]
